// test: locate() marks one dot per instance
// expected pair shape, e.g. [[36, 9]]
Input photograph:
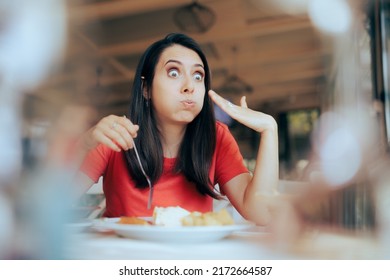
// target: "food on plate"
[[132, 221], [177, 216], [169, 216], [220, 218]]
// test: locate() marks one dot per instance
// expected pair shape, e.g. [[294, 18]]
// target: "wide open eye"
[[198, 76], [173, 73]]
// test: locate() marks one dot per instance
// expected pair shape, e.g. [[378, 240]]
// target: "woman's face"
[[178, 87]]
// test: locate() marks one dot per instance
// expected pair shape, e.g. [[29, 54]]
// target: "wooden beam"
[[225, 32], [111, 9], [113, 62]]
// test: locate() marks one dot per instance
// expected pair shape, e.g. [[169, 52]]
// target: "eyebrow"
[[179, 62]]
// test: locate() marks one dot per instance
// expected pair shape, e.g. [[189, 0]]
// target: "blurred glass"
[[345, 199], [34, 195]]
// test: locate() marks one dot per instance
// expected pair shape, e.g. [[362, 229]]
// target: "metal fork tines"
[[146, 176]]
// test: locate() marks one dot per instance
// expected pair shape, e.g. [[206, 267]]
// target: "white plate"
[[176, 234], [79, 226]]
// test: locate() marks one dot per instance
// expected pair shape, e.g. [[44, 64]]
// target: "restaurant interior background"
[[319, 67]]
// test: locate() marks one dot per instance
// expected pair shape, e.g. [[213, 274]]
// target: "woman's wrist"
[[269, 126]]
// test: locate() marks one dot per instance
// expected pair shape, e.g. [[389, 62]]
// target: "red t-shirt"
[[123, 199]]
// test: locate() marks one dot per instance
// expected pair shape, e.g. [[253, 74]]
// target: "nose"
[[188, 85]]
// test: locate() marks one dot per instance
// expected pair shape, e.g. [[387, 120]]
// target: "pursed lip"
[[188, 103]]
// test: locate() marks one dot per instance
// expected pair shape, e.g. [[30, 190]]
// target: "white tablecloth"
[[106, 246]]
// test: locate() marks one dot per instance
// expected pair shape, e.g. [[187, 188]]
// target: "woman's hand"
[[113, 131], [257, 121]]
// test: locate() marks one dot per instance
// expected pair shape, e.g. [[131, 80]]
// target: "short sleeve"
[[95, 163]]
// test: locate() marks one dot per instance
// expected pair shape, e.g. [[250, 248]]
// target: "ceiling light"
[[234, 84], [194, 18]]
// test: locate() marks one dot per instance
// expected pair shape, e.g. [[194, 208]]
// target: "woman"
[[183, 149]]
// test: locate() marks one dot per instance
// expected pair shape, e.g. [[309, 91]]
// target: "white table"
[[243, 245], [109, 246]]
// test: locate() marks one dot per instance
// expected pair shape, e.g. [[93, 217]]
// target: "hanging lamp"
[[194, 18], [234, 84]]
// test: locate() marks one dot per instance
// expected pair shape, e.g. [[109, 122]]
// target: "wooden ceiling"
[[280, 55]]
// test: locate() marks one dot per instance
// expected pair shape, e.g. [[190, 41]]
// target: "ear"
[[145, 92]]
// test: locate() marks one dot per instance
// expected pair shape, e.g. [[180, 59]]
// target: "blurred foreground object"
[[32, 41], [344, 201], [329, 16], [33, 37], [342, 213]]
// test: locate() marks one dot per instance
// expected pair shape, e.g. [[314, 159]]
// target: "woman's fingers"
[[243, 102], [119, 135], [116, 132], [224, 104], [131, 128], [100, 137], [253, 119]]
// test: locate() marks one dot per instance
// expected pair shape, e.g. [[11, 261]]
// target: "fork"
[[146, 176]]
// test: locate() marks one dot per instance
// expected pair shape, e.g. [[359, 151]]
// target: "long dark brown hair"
[[198, 145]]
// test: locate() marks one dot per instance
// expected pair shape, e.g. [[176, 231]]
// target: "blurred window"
[[295, 129]]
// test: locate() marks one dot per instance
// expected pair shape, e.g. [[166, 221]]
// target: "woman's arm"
[[69, 139], [258, 198], [112, 131], [69, 145]]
